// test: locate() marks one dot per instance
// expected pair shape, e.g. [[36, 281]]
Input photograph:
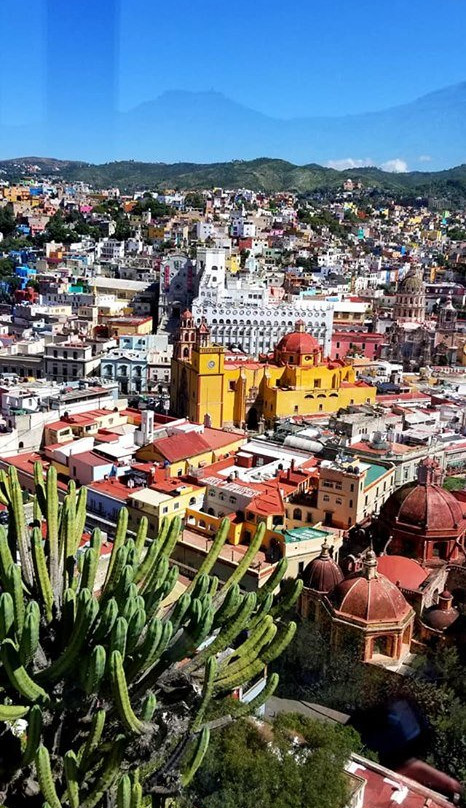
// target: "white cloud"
[[349, 162], [424, 158], [397, 166]]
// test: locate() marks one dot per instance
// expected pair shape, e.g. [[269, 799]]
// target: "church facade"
[[414, 341], [233, 389]]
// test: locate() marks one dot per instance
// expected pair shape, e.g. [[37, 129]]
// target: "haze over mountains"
[[426, 134]]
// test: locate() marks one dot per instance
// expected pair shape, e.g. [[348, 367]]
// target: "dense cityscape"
[[281, 377]]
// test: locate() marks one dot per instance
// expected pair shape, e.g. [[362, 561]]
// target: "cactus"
[[112, 684]]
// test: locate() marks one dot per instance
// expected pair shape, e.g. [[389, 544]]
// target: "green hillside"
[[263, 174]]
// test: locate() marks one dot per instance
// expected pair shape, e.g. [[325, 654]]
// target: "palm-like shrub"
[[107, 692]]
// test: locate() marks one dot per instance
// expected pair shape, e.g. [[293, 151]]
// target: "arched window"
[[297, 513], [185, 352]]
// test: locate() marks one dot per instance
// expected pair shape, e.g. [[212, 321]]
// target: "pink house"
[[360, 343]]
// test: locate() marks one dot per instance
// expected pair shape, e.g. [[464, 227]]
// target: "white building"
[[241, 311], [110, 249]]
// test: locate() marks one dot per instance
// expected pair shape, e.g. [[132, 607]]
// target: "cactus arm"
[[96, 669], [15, 587], [153, 551], [274, 581], [119, 563], [289, 599], [136, 625], [7, 614], [18, 676], [136, 796], [20, 527], [226, 637], [41, 574], [81, 503], [108, 776], [120, 694], [118, 542], [141, 537], [228, 606], [124, 792], [11, 712], [118, 636], [172, 537], [263, 610], [87, 612], [52, 529], [180, 610], [108, 615], [40, 488], [70, 767], [246, 560], [29, 639], [214, 552], [93, 739], [241, 709], [201, 749], [148, 707], [6, 559], [91, 560], [207, 691], [33, 735], [278, 645], [45, 777]]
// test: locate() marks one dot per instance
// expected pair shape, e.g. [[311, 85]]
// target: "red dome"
[[427, 506], [298, 342], [405, 572], [369, 597], [323, 573], [441, 616]]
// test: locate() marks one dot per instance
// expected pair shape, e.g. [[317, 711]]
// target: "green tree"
[[250, 765]]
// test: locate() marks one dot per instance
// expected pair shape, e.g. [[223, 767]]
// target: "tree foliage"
[[250, 764]]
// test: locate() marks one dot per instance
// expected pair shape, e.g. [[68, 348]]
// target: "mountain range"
[[263, 174], [207, 127]]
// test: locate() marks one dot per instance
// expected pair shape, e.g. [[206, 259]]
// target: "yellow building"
[[294, 380], [183, 452], [156, 505]]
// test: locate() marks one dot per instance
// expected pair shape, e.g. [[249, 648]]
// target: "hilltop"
[[263, 174]]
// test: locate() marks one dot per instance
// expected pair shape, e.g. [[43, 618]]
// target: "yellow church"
[[208, 382]]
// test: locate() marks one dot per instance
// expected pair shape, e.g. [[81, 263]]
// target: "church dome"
[[323, 573], [369, 597], [441, 616], [411, 284], [298, 342], [423, 505]]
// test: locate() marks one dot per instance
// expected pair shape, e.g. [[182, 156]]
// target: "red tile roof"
[[91, 459], [114, 488], [189, 444]]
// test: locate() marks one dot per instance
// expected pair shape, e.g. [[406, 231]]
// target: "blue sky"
[[285, 59]]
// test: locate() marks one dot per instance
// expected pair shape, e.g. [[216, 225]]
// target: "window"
[[176, 506], [351, 503], [297, 513], [165, 509], [326, 498], [309, 517], [352, 487]]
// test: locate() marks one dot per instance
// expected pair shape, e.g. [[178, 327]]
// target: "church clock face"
[[211, 364]]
